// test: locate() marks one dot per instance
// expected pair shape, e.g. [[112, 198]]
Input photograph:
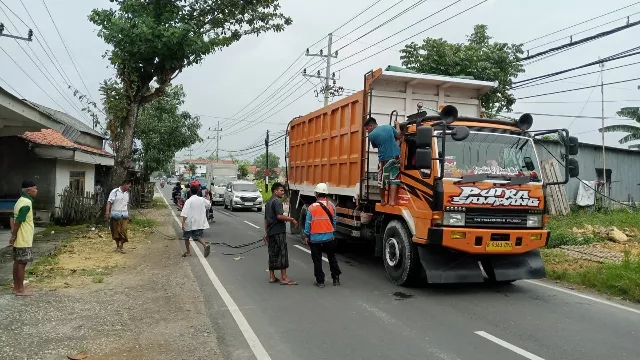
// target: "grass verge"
[[562, 226], [616, 279]]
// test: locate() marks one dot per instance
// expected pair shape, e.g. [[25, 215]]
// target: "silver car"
[[242, 194]]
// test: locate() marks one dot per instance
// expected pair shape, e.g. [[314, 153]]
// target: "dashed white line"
[[255, 226], [255, 344], [509, 346], [309, 251], [602, 301]]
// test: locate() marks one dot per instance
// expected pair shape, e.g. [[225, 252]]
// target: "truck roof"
[[437, 80]]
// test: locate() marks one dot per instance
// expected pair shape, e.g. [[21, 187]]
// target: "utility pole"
[[217, 130], [266, 170], [28, 38], [604, 158], [328, 75]]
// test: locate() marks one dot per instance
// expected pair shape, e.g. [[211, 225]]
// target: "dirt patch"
[[559, 260], [149, 307]]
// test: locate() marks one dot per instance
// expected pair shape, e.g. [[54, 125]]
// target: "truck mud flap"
[[515, 267], [443, 266]]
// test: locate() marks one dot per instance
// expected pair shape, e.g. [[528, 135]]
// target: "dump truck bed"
[[327, 144]]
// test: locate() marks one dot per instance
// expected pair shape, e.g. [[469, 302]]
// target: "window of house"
[[76, 181]]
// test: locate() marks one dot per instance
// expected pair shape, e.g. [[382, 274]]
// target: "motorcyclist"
[[176, 190]]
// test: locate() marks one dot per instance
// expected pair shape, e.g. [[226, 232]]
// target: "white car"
[[242, 195]]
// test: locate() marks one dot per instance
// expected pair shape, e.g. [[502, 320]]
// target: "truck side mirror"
[[424, 137], [574, 167], [573, 145], [460, 133], [423, 159]]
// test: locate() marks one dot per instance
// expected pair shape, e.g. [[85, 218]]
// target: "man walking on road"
[[319, 228], [384, 138], [276, 235], [22, 231], [194, 221], [117, 212]]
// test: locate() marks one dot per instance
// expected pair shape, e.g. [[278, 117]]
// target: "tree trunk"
[[125, 145]]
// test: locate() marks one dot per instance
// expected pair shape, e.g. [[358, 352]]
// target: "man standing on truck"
[[319, 228], [275, 237], [384, 138], [22, 231]]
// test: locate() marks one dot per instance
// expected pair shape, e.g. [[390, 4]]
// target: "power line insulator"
[[30, 34], [304, 71], [307, 51], [321, 51]]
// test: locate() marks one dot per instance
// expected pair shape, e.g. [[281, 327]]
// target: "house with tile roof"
[[68, 153]]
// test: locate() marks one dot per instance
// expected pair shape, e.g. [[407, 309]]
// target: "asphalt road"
[[370, 318]]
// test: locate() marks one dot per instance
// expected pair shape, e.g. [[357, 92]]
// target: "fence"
[[141, 195], [76, 208]]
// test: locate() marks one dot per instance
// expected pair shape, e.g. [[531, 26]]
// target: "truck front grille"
[[496, 219]]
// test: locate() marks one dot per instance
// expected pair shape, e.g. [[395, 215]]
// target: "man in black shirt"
[[276, 235]]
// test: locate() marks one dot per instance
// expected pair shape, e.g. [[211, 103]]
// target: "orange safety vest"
[[320, 222]]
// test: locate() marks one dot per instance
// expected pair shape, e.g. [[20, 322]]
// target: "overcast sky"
[[231, 79]]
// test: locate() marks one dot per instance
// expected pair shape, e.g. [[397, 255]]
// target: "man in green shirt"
[[22, 231]]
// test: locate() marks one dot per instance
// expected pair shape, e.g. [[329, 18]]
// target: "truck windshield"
[[498, 155], [245, 187], [223, 180]]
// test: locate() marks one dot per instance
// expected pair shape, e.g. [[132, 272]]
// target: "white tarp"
[[586, 193]]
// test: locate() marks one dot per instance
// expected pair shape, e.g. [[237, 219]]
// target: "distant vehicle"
[[218, 176], [242, 194], [172, 180]]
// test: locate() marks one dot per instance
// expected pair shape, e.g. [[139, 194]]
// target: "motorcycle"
[[162, 184]]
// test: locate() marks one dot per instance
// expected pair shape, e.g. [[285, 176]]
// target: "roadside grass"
[[562, 226], [85, 256], [616, 279], [158, 203]]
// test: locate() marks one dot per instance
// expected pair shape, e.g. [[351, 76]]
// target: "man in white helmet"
[[319, 228]]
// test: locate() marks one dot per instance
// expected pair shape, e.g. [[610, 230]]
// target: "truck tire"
[[400, 256], [301, 220]]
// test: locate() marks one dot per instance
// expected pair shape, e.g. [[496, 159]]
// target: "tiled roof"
[[54, 138]]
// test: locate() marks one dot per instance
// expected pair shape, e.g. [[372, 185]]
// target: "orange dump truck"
[[472, 196]]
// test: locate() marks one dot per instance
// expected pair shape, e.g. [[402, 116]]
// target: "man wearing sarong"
[[117, 213], [276, 235]]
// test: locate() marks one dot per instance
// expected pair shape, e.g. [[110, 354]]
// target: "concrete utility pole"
[[604, 158], [217, 130], [266, 170], [328, 75], [28, 38]]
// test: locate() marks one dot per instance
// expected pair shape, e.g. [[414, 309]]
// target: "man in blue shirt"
[[384, 138]]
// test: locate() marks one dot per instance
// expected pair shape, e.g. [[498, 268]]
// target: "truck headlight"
[[534, 220], [453, 219]]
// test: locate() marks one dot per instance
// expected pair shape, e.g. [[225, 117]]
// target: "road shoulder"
[[150, 307]]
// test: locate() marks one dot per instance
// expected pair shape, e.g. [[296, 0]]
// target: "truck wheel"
[[399, 254], [301, 220]]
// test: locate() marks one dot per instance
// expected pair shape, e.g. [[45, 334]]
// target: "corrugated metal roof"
[[67, 120]]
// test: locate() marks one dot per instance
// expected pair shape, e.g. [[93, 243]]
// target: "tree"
[[154, 41], [633, 131], [261, 164], [479, 57], [191, 168], [163, 130], [243, 169]]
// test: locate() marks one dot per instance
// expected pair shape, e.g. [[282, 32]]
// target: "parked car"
[[242, 194]]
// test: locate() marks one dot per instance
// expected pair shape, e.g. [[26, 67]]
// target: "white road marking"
[[255, 226], [379, 313], [509, 346], [584, 296], [255, 344], [309, 251]]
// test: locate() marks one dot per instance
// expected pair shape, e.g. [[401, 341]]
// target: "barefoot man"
[[276, 235], [194, 220], [117, 212], [22, 230]]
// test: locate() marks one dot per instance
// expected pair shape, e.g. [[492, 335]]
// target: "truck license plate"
[[499, 246]]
